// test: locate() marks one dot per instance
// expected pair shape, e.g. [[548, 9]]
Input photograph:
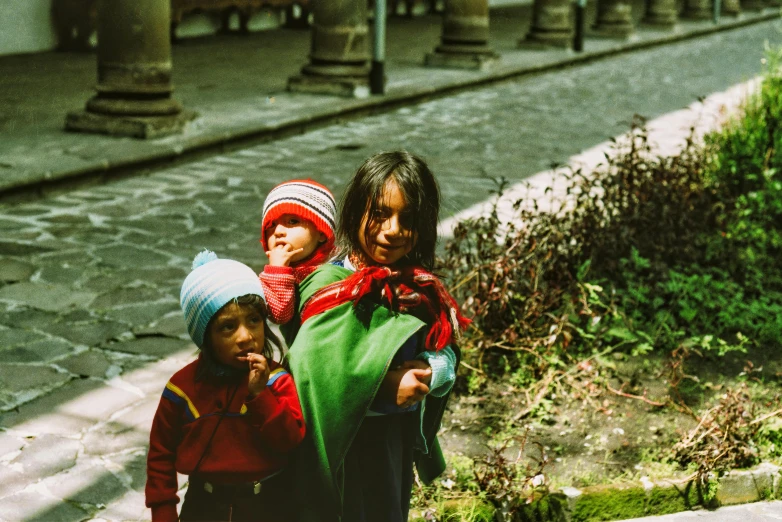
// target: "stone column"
[[339, 52], [134, 73], [661, 12], [552, 24], [465, 38], [614, 18], [698, 10]]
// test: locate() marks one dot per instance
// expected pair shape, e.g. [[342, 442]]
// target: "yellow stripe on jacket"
[[177, 391]]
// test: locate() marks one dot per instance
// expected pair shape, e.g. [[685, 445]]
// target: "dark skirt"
[[379, 470]]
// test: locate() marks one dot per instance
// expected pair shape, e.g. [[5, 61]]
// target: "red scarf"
[[308, 266], [410, 290]]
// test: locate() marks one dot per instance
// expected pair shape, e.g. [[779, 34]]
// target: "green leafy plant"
[[675, 259]]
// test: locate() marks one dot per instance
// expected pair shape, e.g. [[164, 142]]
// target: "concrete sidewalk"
[[237, 86]]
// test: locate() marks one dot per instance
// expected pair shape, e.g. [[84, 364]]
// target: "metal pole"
[[377, 72], [717, 9], [578, 38]]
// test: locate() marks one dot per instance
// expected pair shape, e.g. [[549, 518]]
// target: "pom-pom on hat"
[[304, 198], [212, 283]]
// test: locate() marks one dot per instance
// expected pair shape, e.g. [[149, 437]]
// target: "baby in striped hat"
[[297, 233]]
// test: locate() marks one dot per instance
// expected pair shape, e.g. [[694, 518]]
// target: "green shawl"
[[338, 361]]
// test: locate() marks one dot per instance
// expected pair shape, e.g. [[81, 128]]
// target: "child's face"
[[389, 237], [295, 231], [235, 331]]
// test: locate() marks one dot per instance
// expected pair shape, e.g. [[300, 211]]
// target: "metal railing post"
[[377, 79], [578, 37]]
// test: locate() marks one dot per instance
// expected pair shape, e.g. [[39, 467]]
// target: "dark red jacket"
[[251, 443]]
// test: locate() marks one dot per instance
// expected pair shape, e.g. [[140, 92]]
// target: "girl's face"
[[389, 237], [235, 331]]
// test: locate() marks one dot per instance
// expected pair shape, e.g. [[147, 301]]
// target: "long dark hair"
[[209, 364], [363, 197]]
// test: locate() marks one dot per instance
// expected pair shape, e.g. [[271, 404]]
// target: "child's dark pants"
[[207, 502], [379, 469]]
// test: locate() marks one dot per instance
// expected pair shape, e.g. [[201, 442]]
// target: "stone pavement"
[[89, 279], [237, 85]]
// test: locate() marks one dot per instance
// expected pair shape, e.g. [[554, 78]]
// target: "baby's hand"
[[259, 374], [282, 254]]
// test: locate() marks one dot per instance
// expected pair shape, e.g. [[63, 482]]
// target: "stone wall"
[[31, 26], [27, 26]]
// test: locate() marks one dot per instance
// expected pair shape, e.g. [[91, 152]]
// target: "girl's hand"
[[259, 374], [405, 386], [281, 255], [420, 365]]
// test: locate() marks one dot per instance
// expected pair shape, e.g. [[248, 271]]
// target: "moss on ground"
[[609, 503], [671, 498], [550, 508]]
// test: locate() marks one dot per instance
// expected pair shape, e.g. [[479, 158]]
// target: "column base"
[[142, 127], [663, 20], [123, 105], [753, 5], [698, 15], [619, 31], [547, 40], [346, 87], [447, 56]]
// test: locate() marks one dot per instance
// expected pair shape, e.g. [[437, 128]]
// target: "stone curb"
[[217, 142], [628, 500]]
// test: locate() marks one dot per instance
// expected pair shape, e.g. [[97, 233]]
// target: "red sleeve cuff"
[[278, 269], [164, 513]]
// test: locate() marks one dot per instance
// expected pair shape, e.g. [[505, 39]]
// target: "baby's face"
[[295, 231]]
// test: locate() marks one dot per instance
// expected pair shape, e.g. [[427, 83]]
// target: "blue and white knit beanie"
[[213, 283]]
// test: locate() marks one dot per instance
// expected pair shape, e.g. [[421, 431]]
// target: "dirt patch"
[[591, 435]]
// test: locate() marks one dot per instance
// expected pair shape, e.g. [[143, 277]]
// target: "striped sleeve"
[[443, 364], [279, 287], [175, 394], [276, 374], [164, 438]]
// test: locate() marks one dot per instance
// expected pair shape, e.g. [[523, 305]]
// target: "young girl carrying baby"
[[375, 357]]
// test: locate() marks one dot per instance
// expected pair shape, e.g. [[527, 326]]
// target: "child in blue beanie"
[[229, 418]]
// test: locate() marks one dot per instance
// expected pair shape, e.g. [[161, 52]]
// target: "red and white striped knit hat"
[[304, 198]]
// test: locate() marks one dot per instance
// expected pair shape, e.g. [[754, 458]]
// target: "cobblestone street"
[[90, 327]]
